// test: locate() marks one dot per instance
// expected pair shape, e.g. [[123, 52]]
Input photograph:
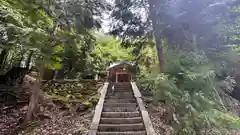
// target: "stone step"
[[123, 133], [120, 100], [119, 109], [122, 85], [120, 114], [120, 105], [121, 127], [121, 120], [120, 96], [122, 88], [120, 92], [117, 90]]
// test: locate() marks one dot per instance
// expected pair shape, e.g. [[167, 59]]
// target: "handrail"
[[145, 116], [98, 111]]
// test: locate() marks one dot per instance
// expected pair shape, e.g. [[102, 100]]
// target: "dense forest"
[[186, 54]]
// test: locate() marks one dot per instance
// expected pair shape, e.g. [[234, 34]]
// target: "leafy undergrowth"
[[66, 108], [162, 118], [189, 97], [158, 114], [158, 118], [72, 93], [162, 122]]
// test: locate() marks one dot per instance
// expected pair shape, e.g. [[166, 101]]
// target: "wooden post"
[[116, 77], [108, 75]]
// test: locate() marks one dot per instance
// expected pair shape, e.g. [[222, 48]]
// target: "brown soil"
[[54, 117]]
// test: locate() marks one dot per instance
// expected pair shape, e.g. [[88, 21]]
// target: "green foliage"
[[110, 49], [57, 31], [106, 49], [27, 25], [91, 54], [189, 86]]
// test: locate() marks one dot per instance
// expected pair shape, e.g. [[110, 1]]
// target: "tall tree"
[[3, 56], [192, 24], [138, 29], [154, 13], [82, 15]]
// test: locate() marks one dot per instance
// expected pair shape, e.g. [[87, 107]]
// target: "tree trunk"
[[33, 101], [3, 56], [197, 129], [194, 42], [29, 60], [156, 26], [36, 90], [20, 60], [59, 74]]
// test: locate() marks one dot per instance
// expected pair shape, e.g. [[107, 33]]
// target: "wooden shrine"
[[120, 72]]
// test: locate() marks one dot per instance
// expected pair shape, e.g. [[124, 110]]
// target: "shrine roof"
[[117, 63]]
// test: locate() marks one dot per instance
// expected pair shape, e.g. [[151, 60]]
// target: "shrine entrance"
[[123, 77], [119, 72]]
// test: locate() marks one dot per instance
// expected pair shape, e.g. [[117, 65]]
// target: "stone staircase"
[[120, 113]]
